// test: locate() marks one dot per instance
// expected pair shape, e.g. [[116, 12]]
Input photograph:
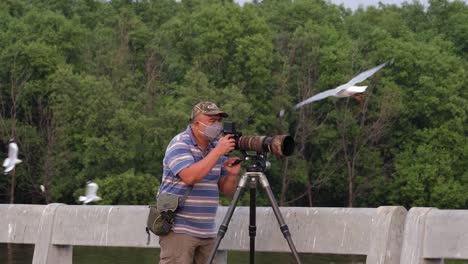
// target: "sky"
[[354, 4]]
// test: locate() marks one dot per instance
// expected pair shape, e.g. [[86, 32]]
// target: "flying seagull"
[[91, 189], [347, 89], [10, 162]]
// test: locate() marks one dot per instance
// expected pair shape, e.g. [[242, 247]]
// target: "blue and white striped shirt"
[[197, 216]]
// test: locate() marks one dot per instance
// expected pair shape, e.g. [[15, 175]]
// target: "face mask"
[[212, 131]]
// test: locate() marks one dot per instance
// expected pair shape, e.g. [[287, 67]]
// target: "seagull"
[[10, 162], [347, 89], [350, 91], [91, 189]]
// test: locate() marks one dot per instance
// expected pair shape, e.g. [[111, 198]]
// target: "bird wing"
[[364, 75], [317, 97], [93, 198], [13, 151], [9, 168], [91, 189], [6, 162]]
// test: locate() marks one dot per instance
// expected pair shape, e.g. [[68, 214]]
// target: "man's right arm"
[[198, 170]]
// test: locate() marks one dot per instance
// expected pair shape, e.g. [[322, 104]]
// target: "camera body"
[[230, 128]]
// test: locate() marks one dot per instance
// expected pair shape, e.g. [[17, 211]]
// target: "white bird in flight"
[[91, 190], [10, 162], [345, 90]]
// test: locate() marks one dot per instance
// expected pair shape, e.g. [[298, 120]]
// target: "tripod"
[[253, 175]]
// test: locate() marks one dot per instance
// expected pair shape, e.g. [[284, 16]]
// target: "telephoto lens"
[[280, 146]]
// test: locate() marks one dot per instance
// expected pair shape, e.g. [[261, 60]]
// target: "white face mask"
[[213, 131]]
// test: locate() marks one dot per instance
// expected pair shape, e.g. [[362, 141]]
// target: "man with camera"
[[196, 168]]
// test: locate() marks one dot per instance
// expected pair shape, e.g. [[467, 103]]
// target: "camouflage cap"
[[207, 108]]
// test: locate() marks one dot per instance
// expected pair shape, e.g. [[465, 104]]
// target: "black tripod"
[[253, 175]]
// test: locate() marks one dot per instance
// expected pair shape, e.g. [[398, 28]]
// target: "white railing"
[[386, 235]]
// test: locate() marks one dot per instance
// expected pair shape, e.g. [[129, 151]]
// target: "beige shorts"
[[184, 249]]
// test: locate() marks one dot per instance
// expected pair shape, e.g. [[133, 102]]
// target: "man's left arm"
[[228, 183]]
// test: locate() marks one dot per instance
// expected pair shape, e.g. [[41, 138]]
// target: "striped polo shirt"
[[197, 216]]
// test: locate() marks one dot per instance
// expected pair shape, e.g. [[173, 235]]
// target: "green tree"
[[128, 188]]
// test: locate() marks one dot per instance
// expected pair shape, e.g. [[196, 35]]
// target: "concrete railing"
[[55, 228], [432, 235], [385, 234]]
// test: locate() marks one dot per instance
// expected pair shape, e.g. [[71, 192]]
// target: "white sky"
[[354, 4]]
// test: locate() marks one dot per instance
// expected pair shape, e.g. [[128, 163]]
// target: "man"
[[195, 157]]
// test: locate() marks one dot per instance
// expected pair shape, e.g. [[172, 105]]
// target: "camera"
[[280, 145]]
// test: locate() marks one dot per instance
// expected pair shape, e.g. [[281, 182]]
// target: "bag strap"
[[148, 238], [182, 200]]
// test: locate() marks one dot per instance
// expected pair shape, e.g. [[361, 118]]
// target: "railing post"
[[413, 238], [44, 251], [386, 235]]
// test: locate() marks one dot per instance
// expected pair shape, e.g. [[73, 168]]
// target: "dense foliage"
[[94, 90]]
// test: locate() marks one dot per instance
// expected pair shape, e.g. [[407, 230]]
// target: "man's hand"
[[230, 167], [225, 145], [228, 184]]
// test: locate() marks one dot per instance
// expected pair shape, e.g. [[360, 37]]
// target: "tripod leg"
[[283, 226], [224, 225], [252, 219]]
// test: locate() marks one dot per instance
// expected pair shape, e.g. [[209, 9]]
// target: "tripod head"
[[259, 164]]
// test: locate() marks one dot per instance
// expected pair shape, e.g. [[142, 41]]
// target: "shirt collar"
[[190, 133]]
